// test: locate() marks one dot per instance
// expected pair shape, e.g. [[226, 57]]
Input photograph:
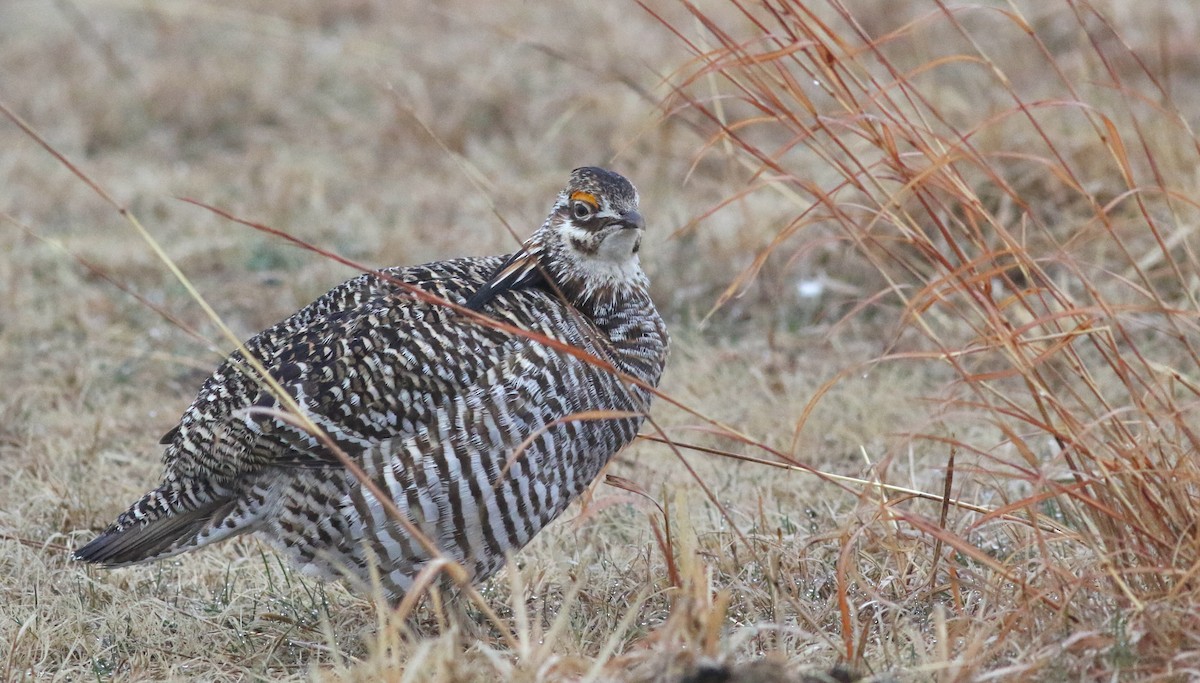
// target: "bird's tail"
[[165, 523]]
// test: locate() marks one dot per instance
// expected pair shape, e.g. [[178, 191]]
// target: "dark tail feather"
[[141, 542]]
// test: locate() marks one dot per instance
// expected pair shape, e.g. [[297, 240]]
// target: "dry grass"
[[943, 249]]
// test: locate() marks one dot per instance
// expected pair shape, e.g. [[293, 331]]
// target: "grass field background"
[[922, 249]]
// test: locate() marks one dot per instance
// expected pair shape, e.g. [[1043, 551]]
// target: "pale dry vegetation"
[[917, 247]]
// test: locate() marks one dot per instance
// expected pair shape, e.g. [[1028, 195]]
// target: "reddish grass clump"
[[1015, 190]]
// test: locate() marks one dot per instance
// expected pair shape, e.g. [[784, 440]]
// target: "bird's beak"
[[633, 219]]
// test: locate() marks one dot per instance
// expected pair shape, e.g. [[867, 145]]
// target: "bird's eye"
[[581, 210]]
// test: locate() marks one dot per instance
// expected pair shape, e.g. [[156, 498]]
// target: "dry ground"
[[312, 117]]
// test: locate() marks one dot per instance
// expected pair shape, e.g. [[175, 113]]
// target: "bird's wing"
[[372, 373], [268, 342], [213, 438], [224, 386]]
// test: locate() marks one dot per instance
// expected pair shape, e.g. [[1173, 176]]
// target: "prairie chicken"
[[479, 436]]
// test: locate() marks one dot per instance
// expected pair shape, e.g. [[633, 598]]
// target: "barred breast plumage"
[[478, 435]]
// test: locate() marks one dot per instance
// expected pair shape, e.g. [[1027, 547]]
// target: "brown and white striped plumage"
[[433, 406]]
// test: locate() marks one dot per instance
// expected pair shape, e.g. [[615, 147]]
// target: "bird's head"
[[596, 218], [587, 248]]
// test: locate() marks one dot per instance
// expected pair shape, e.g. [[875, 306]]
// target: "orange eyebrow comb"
[[581, 196]]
